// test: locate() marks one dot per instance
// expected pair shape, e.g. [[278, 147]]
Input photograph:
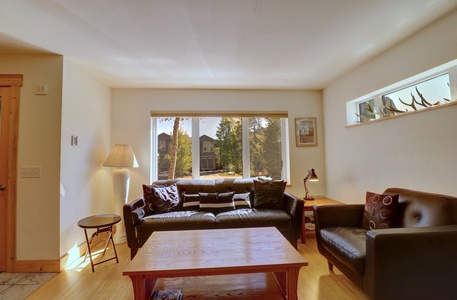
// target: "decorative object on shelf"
[[311, 176], [305, 132], [121, 157]]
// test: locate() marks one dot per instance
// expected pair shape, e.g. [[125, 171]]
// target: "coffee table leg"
[[292, 283], [281, 279], [142, 287], [288, 282]]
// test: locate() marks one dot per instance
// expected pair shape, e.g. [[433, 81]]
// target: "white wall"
[[39, 145], [417, 151], [85, 188], [131, 124]]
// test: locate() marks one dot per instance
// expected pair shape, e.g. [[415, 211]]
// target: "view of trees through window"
[[220, 143]]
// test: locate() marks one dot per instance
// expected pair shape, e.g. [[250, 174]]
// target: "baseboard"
[[37, 266], [55, 266]]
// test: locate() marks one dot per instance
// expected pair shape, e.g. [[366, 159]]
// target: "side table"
[[309, 207], [102, 223]]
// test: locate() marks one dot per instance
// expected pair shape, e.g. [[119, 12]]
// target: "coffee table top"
[[215, 251]]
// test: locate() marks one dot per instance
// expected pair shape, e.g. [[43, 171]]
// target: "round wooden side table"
[[102, 223]]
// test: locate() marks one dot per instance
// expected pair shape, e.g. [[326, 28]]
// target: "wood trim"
[[219, 113], [12, 178], [37, 266], [11, 134], [11, 80]]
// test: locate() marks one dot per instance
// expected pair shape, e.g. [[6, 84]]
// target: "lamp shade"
[[313, 176], [121, 156]]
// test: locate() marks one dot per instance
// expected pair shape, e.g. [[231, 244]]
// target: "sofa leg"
[[330, 265], [133, 252]]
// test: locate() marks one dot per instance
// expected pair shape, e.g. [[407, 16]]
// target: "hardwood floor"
[[315, 282]]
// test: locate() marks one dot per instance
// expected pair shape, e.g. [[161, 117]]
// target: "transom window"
[[431, 89]]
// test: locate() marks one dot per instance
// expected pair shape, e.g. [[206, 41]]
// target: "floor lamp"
[[311, 176], [121, 157]]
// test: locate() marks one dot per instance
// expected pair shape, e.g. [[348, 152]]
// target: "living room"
[[416, 151]]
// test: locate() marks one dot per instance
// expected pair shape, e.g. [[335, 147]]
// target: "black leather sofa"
[[139, 225], [416, 260]]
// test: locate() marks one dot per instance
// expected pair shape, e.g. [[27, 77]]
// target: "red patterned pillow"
[[380, 211], [160, 199]]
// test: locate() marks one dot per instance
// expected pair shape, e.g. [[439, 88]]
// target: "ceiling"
[[230, 44]]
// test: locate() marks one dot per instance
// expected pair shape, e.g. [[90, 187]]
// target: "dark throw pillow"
[[380, 211], [242, 200], [269, 194], [160, 199], [216, 202], [191, 202]]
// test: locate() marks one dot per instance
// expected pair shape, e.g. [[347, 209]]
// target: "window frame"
[[195, 121], [353, 111]]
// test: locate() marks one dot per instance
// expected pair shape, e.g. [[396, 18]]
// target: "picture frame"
[[306, 132]]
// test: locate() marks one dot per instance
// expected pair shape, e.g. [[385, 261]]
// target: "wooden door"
[[9, 124]]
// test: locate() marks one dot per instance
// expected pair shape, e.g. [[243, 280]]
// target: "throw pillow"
[[380, 211], [191, 202], [216, 202], [269, 194], [160, 199], [242, 200]]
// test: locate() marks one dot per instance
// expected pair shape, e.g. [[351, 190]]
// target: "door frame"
[[10, 90]]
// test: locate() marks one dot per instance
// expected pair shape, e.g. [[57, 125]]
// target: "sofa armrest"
[[411, 263], [336, 215], [133, 213], [294, 207]]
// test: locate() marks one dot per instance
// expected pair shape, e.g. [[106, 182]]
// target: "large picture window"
[[227, 146]]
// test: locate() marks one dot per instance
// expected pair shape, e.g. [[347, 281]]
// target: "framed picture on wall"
[[305, 132]]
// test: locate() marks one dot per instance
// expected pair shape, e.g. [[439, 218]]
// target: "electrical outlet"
[[31, 172]]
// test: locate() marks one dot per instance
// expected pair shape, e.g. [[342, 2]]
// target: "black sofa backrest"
[[192, 186], [421, 209]]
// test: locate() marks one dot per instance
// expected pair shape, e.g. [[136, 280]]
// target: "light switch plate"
[[31, 172], [41, 89]]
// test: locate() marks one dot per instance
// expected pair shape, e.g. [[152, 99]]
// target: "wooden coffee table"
[[215, 252]]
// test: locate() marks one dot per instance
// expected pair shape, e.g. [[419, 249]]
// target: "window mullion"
[[284, 150], [453, 83], [195, 148], [154, 150], [246, 147]]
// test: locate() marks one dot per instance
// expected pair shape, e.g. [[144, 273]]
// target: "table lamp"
[[311, 176], [121, 157]]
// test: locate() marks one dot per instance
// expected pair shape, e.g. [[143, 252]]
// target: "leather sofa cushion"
[[421, 209], [254, 218], [176, 220], [193, 186], [348, 244]]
